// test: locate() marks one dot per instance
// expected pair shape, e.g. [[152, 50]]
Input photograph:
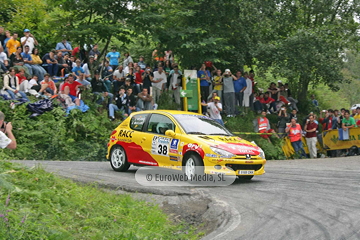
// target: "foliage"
[[43, 206], [79, 136]]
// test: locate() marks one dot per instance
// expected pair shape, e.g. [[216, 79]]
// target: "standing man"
[[240, 86], [229, 92], [214, 109], [175, 77], [7, 138], [158, 84], [28, 40], [113, 58], [294, 130], [218, 83], [311, 136], [205, 79], [63, 47], [141, 63]]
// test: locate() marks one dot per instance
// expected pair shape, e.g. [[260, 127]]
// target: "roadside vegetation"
[[35, 204]]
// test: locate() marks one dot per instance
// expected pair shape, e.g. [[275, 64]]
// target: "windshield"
[[201, 125]]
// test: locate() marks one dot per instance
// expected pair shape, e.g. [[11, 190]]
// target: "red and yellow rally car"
[[183, 141]]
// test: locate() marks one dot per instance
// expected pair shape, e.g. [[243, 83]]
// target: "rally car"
[[184, 141]]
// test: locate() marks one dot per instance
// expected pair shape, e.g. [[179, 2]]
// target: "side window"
[[137, 122], [159, 124]]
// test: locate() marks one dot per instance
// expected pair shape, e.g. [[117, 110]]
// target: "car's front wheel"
[[193, 166], [118, 159]]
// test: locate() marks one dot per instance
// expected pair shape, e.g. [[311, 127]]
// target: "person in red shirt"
[[294, 130], [138, 79], [23, 81], [71, 88], [268, 102], [311, 137]]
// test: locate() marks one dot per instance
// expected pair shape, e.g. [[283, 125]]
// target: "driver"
[[161, 128]]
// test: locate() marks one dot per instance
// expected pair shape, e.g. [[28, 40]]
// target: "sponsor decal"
[[173, 158], [125, 133], [174, 144], [211, 155], [173, 151], [160, 146], [194, 147], [146, 162]]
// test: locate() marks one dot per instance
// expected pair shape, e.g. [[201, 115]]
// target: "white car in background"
[[355, 106]]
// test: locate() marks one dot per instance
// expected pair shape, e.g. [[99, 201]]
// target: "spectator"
[[99, 88], [107, 71], [131, 104], [78, 68], [158, 57], [330, 121], [257, 102], [81, 79], [62, 65], [205, 80], [89, 68], [2, 36], [294, 130], [12, 85], [128, 67], [17, 62], [252, 97], [311, 137], [118, 83], [229, 92], [214, 109], [286, 99], [4, 62], [262, 125], [35, 88], [169, 56], [28, 61], [175, 78], [50, 85], [148, 77], [64, 47], [167, 67], [127, 84], [247, 92], [293, 114], [52, 64], [313, 100], [12, 44], [348, 122], [23, 82], [240, 86], [283, 119], [280, 84], [357, 116], [119, 73], [7, 138], [138, 80], [121, 104], [8, 37], [127, 59], [95, 52], [144, 101], [268, 103], [113, 58], [158, 84], [71, 88], [273, 92], [36, 60], [69, 64], [141, 63], [218, 83], [28, 40]]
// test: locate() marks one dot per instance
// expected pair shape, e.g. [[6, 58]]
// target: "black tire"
[[118, 159], [193, 164], [246, 177]]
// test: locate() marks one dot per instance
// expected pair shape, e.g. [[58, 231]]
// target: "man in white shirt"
[[7, 138], [214, 108], [158, 83], [175, 83], [28, 40], [4, 62], [119, 73]]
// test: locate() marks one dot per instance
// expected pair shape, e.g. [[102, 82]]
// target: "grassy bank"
[[35, 204]]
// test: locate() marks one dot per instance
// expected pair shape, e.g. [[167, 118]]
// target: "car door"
[[161, 147]]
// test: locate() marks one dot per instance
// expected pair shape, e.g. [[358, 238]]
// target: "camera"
[[3, 127]]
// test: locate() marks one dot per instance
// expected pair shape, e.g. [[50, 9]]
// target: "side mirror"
[[170, 133]]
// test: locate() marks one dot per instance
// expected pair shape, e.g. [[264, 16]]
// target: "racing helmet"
[[162, 127]]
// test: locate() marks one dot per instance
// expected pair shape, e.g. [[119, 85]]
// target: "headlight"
[[222, 153], [262, 154]]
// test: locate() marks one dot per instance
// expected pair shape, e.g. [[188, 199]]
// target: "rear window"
[[137, 122]]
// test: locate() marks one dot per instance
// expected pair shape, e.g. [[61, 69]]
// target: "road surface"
[[295, 199]]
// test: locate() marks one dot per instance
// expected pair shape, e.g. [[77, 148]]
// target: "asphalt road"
[[295, 199]]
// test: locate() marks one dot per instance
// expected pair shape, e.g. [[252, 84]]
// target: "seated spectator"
[[35, 88], [283, 119], [127, 59], [268, 103], [128, 67], [131, 104], [62, 64], [144, 101], [12, 86], [17, 62], [38, 62], [81, 79], [33, 68], [77, 69], [63, 47], [23, 82], [4, 62], [131, 76], [50, 85], [98, 88], [71, 88], [95, 52], [262, 125], [121, 104], [106, 75], [273, 91], [257, 102], [294, 130], [288, 100], [51, 63], [141, 63], [119, 73], [118, 83], [127, 84]]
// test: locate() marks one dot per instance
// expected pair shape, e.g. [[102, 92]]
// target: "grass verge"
[[35, 204]]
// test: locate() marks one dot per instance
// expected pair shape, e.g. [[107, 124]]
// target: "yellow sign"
[[331, 139]]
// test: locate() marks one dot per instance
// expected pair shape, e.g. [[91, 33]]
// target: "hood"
[[233, 144]]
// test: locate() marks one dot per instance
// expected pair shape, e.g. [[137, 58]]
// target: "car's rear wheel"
[[118, 159], [246, 177], [193, 166]]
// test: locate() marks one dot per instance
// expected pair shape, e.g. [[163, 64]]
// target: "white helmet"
[[163, 126]]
